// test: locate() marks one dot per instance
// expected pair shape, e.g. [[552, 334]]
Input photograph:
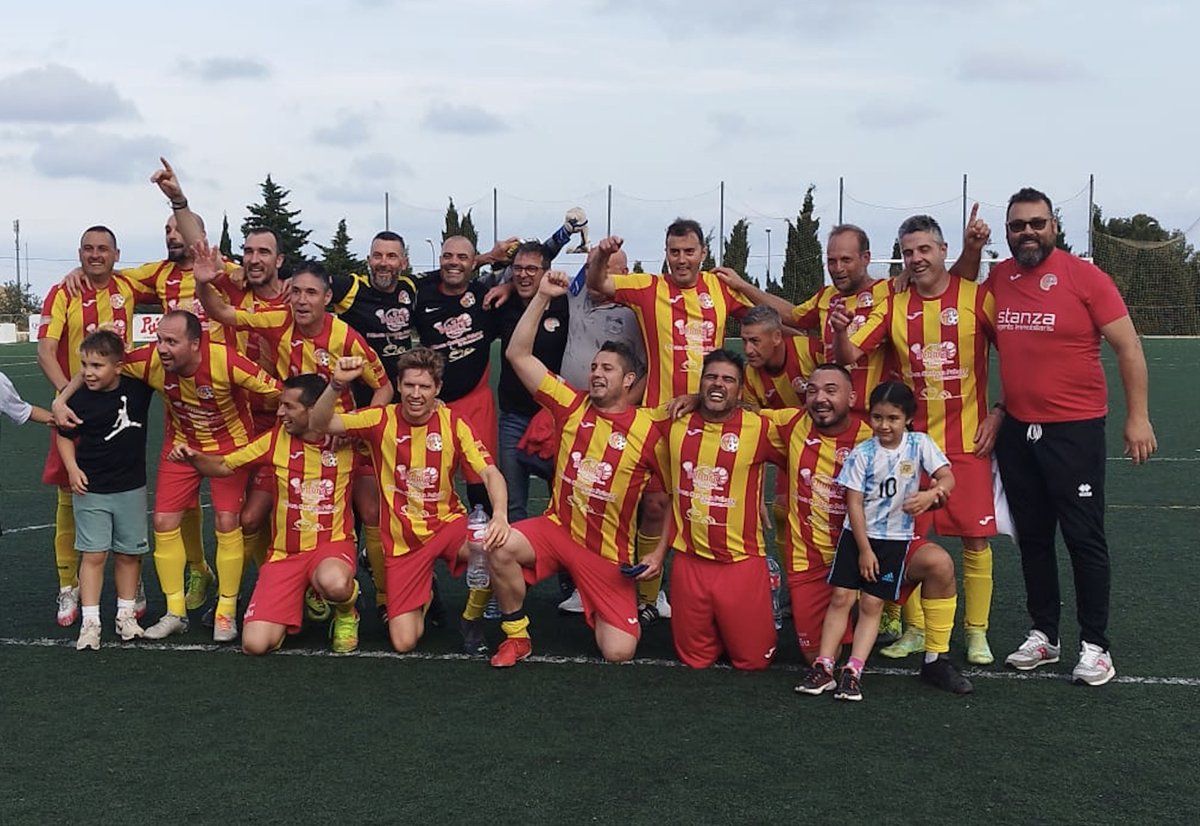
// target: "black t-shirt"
[[548, 345], [383, 319], [460, 329], [110, 445]]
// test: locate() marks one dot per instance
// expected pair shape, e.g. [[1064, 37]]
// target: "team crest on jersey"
[[204, 391], [906, 467], [1048, 281], [433, 441], [799, 384], [950, 317], [117, 301], [323, 358], [328, 458], [468, 299], [551, 324], [706, 301], [729, 443], [617, 441], [842, 454], [865, 300], [404, 298]]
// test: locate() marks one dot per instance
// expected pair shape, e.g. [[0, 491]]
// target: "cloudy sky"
[[550, 103]]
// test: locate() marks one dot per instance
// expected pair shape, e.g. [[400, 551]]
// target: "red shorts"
[[363, 466], [179, 482], [603, 589], [719, 606], [55, 472], [410, 576], [279, 593], [478, 408], [971, 510], [262, 478], [654, 484], [810, 594]]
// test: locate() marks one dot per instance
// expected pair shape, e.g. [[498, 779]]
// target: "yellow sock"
[[375, 556], [169, 561], [193, 539], [914, 615], [647, 589], [347, 606], [891, 610], [257, 545], [230, 555], [477, 600], [66, 558], [939, 620], [516, 628], [977, 588]]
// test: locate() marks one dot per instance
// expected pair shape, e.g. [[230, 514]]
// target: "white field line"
[[190, 648]]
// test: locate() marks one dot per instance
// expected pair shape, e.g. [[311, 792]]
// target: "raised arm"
[[844, 350], [734, 281], [187, 221], [322, 418], [1140, 441], [598, 277], [528, 367], [207, 265], [976, 234]]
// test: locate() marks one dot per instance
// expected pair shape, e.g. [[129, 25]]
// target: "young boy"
[[105, 458]]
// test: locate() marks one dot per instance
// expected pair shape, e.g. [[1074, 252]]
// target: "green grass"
[[168, 734]]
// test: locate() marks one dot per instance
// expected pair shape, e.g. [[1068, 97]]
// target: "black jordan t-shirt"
[[110, 445]]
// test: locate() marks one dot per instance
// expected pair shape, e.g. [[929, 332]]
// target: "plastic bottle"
[[477, 564], [775, 573]]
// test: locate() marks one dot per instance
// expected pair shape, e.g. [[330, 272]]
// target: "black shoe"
[[849, 686], [474, 641], [817, 680], [381, 612], [436, 615], [209, 618], [648, 614], [942, 674]]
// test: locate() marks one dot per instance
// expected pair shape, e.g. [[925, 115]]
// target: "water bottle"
[[477, 564], [775, 575]]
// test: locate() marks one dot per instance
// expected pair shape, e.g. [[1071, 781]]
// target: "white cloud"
[[881, 115], [377, 166], [465, 119], [216, 69], [1014, 66], [349, 130], [99, 156], [59, 94]]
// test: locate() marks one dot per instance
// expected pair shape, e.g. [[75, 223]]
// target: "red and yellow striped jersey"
[[714, 471], [416, 465], [942, 345], [295, 353], [603, 463], [175, 288], [209, 411], [70, 319], [816, 503], [766, 389], [873, 368], [312, 490], [680, 326]]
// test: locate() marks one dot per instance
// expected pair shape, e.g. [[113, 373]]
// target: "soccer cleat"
[[941, 673], [849, 686], [890, 629], [199, 584], [343, 632], [89, 636], [647, 614], [225, 628], [492, 611], [127, 625], [315, 606], [168, 625], [978, 650], [1095, 666], [208, 618], [474, 641], [1036, 650], [139, 600], [68, 606], [910, 642], [572, 604], [511, 652], [817, 680], [662, 606]]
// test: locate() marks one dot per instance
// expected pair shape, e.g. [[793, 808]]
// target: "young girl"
[[882, 478]]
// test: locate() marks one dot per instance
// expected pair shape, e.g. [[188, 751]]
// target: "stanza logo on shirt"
[[1030, 321]]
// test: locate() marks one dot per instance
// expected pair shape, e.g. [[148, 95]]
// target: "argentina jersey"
[[886, 477]]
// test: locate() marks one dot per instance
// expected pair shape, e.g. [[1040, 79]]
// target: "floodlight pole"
[[17, 248], [768, 255]]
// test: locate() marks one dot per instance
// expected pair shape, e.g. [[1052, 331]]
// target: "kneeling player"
[[312, 536], [880, 556]]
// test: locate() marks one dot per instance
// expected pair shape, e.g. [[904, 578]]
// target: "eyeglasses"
[[532, 269], [1036, 224]]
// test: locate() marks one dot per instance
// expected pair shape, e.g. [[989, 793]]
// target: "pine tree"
[[1060, 240], [19, 301], [337, 258], [637, 266], [464, 227], [273, 213], [897, 265], [737, 249], [226, 243], [709, 262], [803, 274]]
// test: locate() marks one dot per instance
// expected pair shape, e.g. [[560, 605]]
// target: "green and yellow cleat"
[[199, 584], [343, 632], [978, 650], [911, 641], [315, 606]]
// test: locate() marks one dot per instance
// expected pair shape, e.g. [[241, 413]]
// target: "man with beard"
[[604, 457], [1052, 309], [712, 461]]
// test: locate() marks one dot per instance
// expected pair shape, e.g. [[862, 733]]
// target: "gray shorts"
[[111, 522]]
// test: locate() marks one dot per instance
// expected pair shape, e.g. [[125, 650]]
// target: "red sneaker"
[[512, 651]]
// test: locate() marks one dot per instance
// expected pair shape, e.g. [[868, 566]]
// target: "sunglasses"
[[1037, 224]]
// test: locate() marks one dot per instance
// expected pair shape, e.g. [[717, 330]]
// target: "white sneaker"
[[68, 606], [664, 607], [1095, 666], [89, 636], [572, 604], [139, 601], [225, 628], [127, 625], [168, 625], [1035, 651]]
